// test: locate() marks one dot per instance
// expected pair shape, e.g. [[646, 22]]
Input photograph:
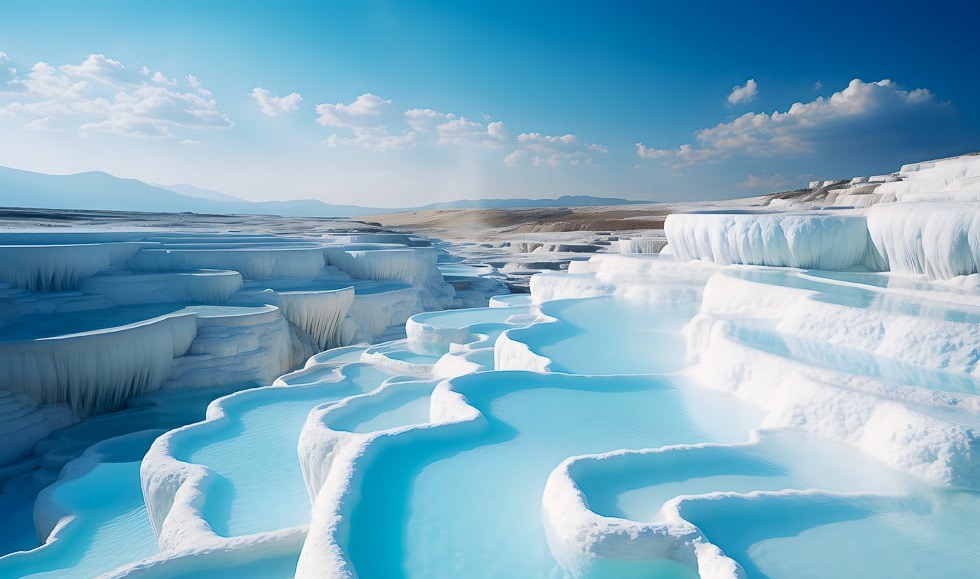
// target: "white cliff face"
[[924, 220], [202, 286], [642, 244], [937, 240], [47, 268], [252, 262], [96, 371], [415, 266], [319, 314], [241, 345], [377, 309], [829, 241]]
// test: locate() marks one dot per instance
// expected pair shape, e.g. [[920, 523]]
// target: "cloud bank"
[[370, 122], [553, 151], [101, 95], [880, 110]]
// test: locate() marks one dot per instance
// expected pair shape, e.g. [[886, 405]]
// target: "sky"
[[394, 103]]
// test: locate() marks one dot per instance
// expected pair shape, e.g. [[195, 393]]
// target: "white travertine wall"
[[828, 241], [49, 268], [938, 240], [252, 262], [95, 372]]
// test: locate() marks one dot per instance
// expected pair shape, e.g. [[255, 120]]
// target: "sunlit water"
[[437, 509], [608, 336], [254, 450], [401, 404], [109, 527]]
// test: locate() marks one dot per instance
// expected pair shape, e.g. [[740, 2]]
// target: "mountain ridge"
[[101, 190]]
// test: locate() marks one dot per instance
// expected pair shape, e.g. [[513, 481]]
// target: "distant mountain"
[[192, 191], [97, 190], [308, 208], [291, 208], [93, 190], [563, 201]]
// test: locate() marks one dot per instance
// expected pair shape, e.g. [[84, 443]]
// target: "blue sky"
[[397, 103]]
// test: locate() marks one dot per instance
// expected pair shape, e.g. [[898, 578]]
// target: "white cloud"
[[464, 131], [365, 109], [858, 109], [425, 119], [46, 88], [99, 69], [373, 139], [103, 95], [514, 158], [744, 94], [368, 123], [450, 129], [362, 124], [160, 78], [4, 57], [496, 130], [272, 105], [644, 152], [460, 131], [553, 150]]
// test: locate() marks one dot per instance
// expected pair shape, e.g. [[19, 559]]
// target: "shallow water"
[[109, 501], [411, 357], [608, 336], [254, 450], [436, 508], [788, 538], [635, 487], [400, 404]]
